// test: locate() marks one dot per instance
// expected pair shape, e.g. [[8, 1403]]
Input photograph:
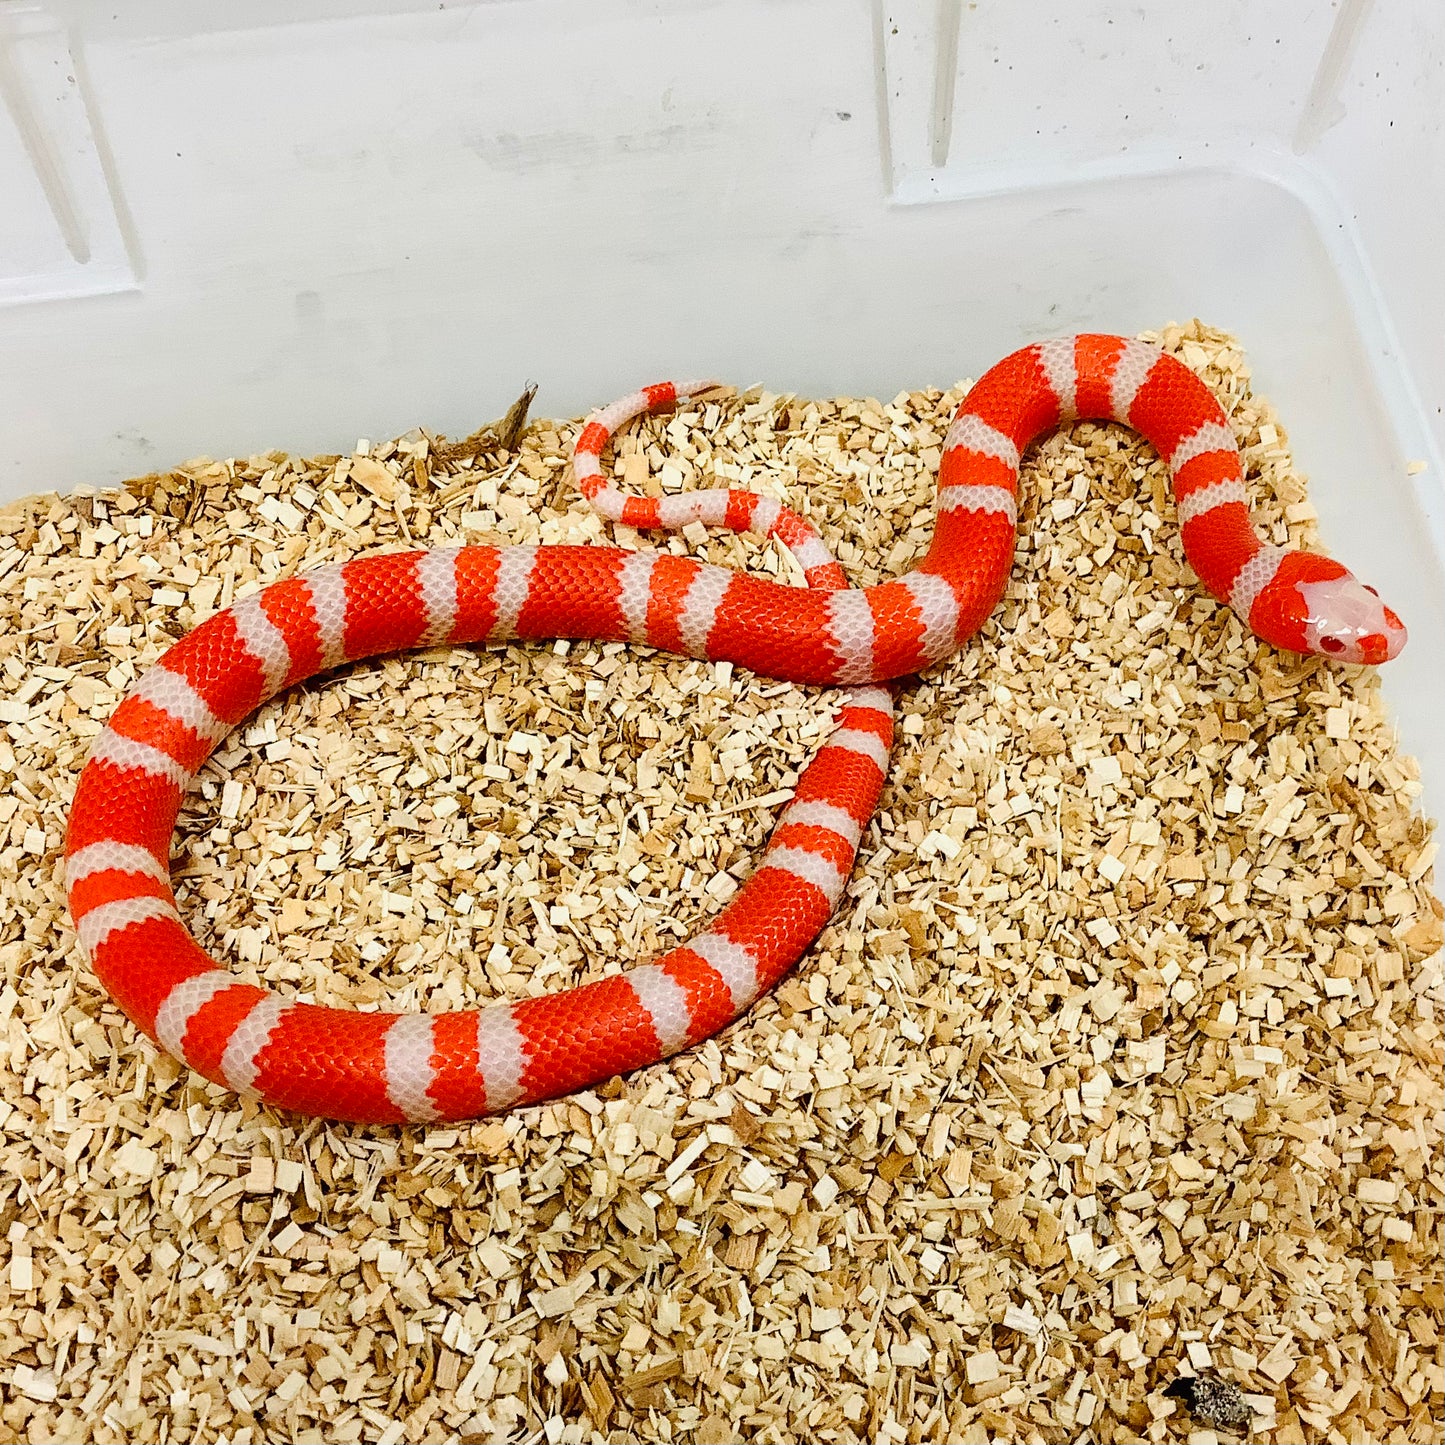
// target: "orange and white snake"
[[388, 1067]]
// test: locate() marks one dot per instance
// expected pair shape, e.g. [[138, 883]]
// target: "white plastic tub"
[[225, 228]]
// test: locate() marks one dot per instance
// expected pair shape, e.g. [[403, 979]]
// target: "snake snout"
[[1346, 620]]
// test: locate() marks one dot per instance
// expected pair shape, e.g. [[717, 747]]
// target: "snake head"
[[1345, 620]]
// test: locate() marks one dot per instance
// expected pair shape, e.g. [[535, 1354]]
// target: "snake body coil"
[[387, 1067]]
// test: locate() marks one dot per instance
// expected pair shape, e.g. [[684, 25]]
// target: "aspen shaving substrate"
[[1121, 1059]]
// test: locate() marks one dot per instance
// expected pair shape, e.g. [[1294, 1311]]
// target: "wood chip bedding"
[[1120, 1062]]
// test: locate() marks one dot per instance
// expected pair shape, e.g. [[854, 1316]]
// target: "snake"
[[378, 1067]]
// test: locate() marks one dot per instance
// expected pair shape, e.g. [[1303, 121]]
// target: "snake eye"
[[1368, 588], [1332, 644]]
